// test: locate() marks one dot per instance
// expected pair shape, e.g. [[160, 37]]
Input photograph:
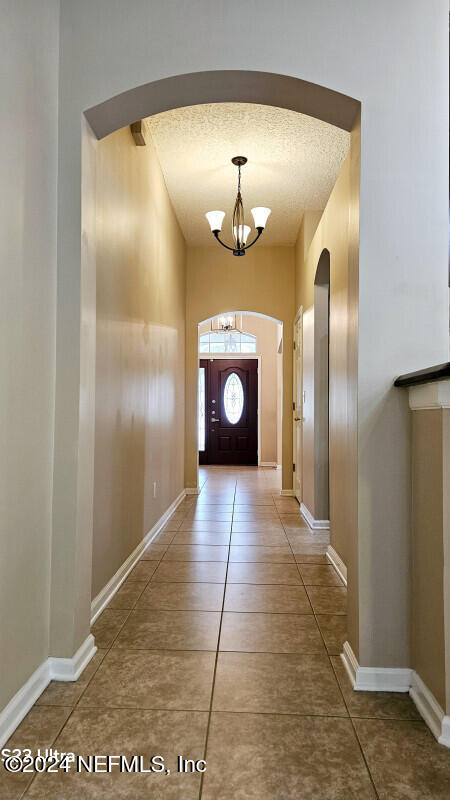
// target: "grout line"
[[205, 752]]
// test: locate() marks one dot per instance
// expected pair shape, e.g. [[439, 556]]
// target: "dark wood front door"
[[231, 406]]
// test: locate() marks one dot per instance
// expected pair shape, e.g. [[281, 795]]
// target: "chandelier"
[[239, 229]]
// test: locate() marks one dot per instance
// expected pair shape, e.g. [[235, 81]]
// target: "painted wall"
[[28, 168], [267, 336], [430, 556], [217, 282], [333, 233], [108, 46], [139, 401]]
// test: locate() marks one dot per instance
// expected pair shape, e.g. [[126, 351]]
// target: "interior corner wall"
[[29, 43], [139, 420], [216, 283]]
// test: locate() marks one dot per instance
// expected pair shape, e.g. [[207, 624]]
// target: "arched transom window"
[[223, 342]]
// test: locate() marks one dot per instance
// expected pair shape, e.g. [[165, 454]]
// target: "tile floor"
[[223, 643]]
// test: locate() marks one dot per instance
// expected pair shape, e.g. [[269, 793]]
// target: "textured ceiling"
[[293, 163]]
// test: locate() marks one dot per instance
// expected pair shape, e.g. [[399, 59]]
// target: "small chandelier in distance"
[[239, 229]]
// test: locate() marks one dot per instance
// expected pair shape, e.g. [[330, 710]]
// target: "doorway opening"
[[322, 387], [239, 408]]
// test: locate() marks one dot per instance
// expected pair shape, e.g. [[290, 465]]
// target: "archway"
[[254, 341], [75, 376]]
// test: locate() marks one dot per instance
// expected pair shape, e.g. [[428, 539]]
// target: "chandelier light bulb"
[[260, 216], [243, 234], [215, 219]]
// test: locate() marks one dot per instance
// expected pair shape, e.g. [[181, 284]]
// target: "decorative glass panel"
[[222, 342], [233, 398], [201, 409]]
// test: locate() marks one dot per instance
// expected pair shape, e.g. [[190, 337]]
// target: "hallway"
[[270, 708]]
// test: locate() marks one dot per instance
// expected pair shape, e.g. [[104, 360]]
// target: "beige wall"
[[430, 432], [267, 336], [139, 421], [331, 234], [29, 43], [337, 231], [217, 282]]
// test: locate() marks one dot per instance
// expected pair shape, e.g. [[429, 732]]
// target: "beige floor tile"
[[405, 760], [207, 526], [127, 732], [299, 547], [280, 554], [171, 527], [263, 573], [328, 599], [143, 571], [190, 571], [276, 684], [250, 500], [266, 598], [186, 552], [202, 537], [334, 631], [261, 513], [286, 758], [270, 633], [67, 693], [157, 629], [164, 538], [38, 730], [183, 596], [207, 509], [257, 526], [318, 575], [148, 679], [311, 558], [202, 515], [154, 552], [254, 509], [128, 594], [381, 705], [108, 625], [262, 538]]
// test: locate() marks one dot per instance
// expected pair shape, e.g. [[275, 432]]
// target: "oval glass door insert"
[[233, 398]]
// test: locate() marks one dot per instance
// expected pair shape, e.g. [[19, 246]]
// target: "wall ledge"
[[429, 395], [436, 373]]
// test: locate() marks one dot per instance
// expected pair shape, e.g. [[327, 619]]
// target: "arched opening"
[[70, 610], [322, 388], [243, 350]]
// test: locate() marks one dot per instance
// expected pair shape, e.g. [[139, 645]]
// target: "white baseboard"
[[287, 493], [375, 679], [315, 524], [57, 669], [430, 710], [70, 669], [268, 464], [107, 593], [192, 490], [13, 714], [337, 562]]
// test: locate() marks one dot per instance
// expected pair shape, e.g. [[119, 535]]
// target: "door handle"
[[215, 420], [299, 419]]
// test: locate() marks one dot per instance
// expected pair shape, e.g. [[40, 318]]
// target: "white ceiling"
[[293, 163]]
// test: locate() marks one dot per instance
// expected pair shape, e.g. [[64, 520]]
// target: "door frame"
[[296, 374], [238, 356]]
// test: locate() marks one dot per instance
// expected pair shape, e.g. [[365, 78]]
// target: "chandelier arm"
[[216, 234], [260, 230]]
